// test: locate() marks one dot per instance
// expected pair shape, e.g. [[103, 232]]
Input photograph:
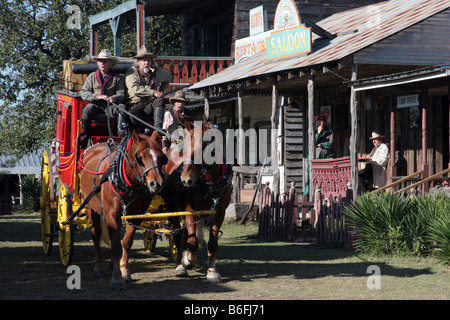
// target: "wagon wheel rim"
[[173, 248], [46, 224], [65, 234]]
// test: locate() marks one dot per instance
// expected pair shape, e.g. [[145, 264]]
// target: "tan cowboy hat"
[[179, 96], [376, 135], [105, 54], [144, 53]]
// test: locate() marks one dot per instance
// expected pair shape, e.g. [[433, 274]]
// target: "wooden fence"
[[281, 216]]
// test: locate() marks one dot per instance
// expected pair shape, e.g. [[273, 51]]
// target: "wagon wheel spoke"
[[66, 231]]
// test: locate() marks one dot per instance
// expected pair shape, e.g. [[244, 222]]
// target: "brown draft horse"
[[134, 174], [206, 186]]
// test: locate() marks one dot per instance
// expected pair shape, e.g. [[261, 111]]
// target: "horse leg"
[[178, 238], [190, 254], [114, 225], [96, 232], [212, 274], [127, 243]]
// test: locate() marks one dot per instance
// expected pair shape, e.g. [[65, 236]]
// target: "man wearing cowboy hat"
[[378, 159], [174, 117], [101, 87], [146, 82]]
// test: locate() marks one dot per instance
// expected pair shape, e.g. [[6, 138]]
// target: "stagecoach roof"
[[353, 30]]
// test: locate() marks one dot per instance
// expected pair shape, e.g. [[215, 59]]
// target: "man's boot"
[[122, 123], [86, 134], [158, 117]]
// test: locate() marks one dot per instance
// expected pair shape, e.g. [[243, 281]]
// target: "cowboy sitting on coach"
[[146, 83], [102, 86]]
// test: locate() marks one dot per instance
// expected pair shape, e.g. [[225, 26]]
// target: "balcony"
[[189, 70]]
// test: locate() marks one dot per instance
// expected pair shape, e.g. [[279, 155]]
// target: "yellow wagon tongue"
[[165, 215]]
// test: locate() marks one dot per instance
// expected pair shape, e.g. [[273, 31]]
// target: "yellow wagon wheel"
[[150, 239], [173, 248], [65, 230], [44, 204]]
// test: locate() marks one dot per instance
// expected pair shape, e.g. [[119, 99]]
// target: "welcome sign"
[[289, 37]]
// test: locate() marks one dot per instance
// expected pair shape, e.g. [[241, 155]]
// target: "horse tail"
[[105, 233]]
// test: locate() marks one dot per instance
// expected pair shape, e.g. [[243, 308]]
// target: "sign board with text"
[[256, 20], [289, 36]]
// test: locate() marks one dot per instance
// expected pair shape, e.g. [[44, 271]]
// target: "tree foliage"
[[35, 38]]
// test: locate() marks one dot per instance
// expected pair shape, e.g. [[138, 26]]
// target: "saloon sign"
[[289, 37]]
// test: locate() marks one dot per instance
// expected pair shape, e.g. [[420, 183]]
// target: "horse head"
[[146, 155], [194, 163]]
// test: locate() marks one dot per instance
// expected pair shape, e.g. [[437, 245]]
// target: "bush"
[[385, 223]]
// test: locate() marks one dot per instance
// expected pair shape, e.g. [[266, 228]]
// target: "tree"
[[36, 36]]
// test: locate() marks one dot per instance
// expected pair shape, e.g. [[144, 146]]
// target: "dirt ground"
[[251, 269]]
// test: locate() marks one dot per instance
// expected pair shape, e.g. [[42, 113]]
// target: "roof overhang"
[[401, 78]]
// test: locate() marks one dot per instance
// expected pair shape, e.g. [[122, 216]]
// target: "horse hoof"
[[117, 285], [213, 276], [181, 271], [127, 278]]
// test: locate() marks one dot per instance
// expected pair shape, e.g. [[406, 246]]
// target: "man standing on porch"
[[378, 157]]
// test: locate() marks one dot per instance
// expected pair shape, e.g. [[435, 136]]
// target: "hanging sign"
[[289, 37], [411, 100]]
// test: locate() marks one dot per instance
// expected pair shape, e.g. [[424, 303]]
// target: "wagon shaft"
[[166, 215]]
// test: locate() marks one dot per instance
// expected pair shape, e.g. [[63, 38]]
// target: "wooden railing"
[[190, 70], [402, 180], [430, 178]]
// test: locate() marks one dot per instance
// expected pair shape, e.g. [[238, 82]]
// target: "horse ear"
[[155, 135], [135, 136]]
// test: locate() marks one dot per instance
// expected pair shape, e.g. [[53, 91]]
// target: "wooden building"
[[383, 43], [210, 29]]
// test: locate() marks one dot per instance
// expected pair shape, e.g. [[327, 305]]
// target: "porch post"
[[273, 136], [140, 19], [93, 45], [311, 144], [354, 133], [206, 110], [116, 24], [425, 168], [393, 168], [241, 144]]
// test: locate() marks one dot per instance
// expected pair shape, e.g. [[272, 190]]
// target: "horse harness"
[[116, 175]]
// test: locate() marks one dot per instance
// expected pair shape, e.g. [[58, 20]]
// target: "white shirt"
[[380, 157]]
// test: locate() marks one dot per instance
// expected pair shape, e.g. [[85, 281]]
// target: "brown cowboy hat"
[[179, 96], [144, 53], [105, 54]]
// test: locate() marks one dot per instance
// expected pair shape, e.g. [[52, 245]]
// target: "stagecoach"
[[62, 203]]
